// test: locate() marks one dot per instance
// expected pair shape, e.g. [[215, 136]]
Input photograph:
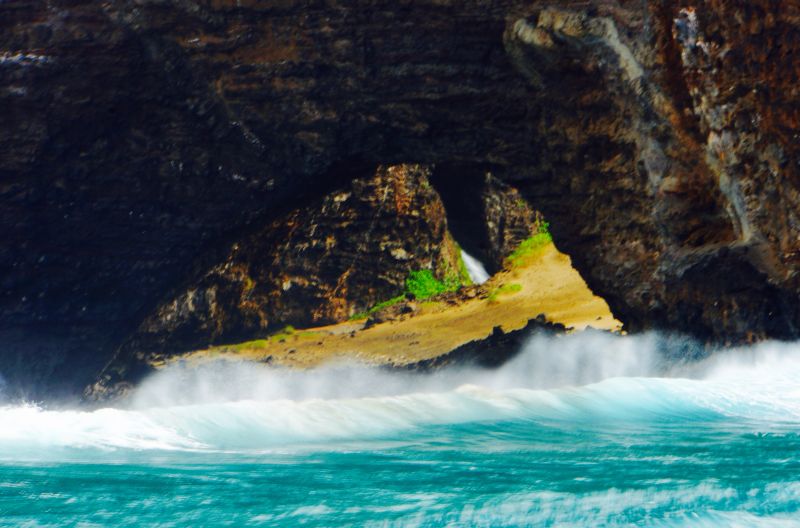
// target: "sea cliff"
[[140, 140]]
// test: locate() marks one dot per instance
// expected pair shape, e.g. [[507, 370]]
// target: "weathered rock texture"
[[669, 173], [318, 264], [659, 138]]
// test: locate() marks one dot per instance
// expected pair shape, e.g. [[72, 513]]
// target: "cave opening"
[[381, 244], [487, 217]]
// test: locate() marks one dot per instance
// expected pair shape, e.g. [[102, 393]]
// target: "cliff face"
[[318, 264], [671, 139], [137, 139]]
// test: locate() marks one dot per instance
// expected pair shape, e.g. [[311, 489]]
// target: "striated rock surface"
[[671, 184], [138, 139], [317, 264]]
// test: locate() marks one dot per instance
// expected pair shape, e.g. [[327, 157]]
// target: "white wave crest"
[[583, 378]]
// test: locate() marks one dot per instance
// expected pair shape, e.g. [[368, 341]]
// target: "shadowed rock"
[[137, 139]]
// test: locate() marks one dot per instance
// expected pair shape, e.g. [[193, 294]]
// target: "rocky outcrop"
[[656, 189], [318, 264], [138, 139], [491, 352]]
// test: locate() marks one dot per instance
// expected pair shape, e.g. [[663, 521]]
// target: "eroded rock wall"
[[137, 139], [317, 264], [665, 186]]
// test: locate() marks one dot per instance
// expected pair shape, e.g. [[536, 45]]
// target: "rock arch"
[[138, 137]]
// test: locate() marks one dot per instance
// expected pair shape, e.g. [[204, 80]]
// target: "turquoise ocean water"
[[587, 430]]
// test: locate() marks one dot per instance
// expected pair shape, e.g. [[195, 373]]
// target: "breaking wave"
[[590, 377]]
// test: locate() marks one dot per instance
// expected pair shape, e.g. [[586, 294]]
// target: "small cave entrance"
[[487, 217]]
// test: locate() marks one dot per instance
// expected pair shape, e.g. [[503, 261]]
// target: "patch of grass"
[[530, 247], [247, 345], [423, 285], [286, 332], [378, 307], [504, 289]]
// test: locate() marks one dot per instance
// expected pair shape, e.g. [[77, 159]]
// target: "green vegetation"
[[378, 307], [504, 289], [423, 285], [287, 331], [530, 246], [283, 334], [239, 347]]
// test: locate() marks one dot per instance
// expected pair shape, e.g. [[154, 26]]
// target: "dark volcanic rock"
[[138, 139], [670, 186], [490, 352], [318, 264]]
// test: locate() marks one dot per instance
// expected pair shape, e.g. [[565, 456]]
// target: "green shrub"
[[423, 285]]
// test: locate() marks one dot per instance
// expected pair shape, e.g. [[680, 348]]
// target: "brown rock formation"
[[137, 138], [318, 264], [651, 188]]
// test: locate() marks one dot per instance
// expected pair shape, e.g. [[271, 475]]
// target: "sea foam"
[[584, 378]]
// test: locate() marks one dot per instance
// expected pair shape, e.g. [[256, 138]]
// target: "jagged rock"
[[675, 221], [138, 139], [318, 264]]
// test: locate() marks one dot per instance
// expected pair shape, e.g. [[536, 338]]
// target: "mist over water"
[[587, 429], [545, 362]]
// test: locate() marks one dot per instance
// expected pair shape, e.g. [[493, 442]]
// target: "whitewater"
[[583, 430]]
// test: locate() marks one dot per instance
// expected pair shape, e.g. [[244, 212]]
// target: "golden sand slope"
[[547, 284]]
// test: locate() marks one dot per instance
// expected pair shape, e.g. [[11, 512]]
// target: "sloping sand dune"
[[547, 284]]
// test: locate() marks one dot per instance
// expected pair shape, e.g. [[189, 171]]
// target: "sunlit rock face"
[[317, 264], [139, 139]]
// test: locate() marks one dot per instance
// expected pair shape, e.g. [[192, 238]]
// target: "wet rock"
[[492, 351]]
